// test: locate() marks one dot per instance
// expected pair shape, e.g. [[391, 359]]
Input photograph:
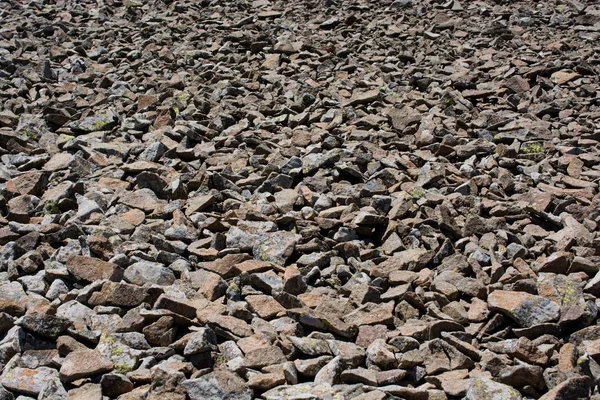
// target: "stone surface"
[[92, 269], [353, 200], [486, 389], [526, 309], [30, 382], [218, 384], [83, 364]]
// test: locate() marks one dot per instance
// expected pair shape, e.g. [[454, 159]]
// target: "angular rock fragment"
[[92, 269], [220, 384], [526, 309], [82, 364]]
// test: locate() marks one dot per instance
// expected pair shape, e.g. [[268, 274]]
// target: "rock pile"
[[306, 199]]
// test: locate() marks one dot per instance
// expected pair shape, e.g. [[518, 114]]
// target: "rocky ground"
[[338, 199]]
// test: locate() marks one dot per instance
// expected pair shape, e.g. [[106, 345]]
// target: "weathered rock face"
[[525, 309], [218, 384], [336, 199], [83, 364], [92, 269]]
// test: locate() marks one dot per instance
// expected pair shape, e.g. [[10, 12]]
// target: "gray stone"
[[49, 326], [202, 340], [28, 381], [217, 385], [144, 272], [275, 247], [526, 309], [487, 389]]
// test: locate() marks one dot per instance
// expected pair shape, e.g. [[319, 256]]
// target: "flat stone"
[[83, 364], [264, 356], [265, 306], [93, 269], [526, 309], [28, 381]]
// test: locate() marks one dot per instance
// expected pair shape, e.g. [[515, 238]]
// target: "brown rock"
[[526, 309], [209, 284], [265, 306], [28, 183], [161, 332], [83, 364], [93, 269], [368, 333], [264, 356], [572, 389], [119, 294]]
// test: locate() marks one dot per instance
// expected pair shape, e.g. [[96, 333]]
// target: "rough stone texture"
[[486, 389], [218, 384], [336, 199], [82, 364], [28, 381], [526, 309]]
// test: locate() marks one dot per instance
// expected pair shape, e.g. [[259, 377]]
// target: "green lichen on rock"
[[417, 192], [532, 147], [123, 368], [50, 208], [102, 121]]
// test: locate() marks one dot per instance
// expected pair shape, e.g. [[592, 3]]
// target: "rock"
[[219, 384], [83, 364], [93, 269], [292, 202], [524, 308], [144, 272], [275, 247], [573, 388], [30, 382], [48, 326], [264, 356], [486, 389]]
